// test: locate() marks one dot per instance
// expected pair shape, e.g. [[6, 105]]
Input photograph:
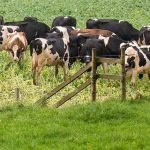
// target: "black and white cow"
[[144, 36], [123, 29], [64, 21], [4, 31], [137, 60], [52, 51], [33, 29], [105, 47]]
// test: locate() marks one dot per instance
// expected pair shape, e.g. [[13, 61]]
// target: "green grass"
[[111, 125], [13, 75], [79, 124]]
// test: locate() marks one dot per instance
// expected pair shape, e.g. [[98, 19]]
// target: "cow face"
[[131, 58], [16, 44], [86, 51], [15, 53]]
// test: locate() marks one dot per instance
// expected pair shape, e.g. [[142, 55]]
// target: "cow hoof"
[[34, 83], [133, 84]]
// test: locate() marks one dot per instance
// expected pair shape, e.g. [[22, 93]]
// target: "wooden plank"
[[109, 60], [62, 85], [123, 81], [109, 76], [93, 83], [70, 95], [17, 93]]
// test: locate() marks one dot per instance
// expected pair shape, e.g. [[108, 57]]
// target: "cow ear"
[[52, 30], [142, 30], [60, 34]]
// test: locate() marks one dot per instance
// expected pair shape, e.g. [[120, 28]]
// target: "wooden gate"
[[91, 81]]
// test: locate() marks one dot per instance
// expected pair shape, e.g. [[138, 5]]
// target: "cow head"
[[16, 44], [15, 53], [131, 56], [144, 36], [86, 51]]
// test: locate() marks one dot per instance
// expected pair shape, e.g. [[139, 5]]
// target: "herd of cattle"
[[62, 43]]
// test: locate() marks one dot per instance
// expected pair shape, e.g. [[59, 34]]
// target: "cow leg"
[[105, 67], [39, 74], [56, 70], [133, 77], [34, 66], [34, 74], [65, 69]]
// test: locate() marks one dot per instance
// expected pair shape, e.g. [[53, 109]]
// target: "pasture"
[[108, 126], [82, 125], [13, 75]]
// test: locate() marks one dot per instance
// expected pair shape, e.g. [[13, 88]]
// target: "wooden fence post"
[[17, 93], [123, 86], [93, 82]]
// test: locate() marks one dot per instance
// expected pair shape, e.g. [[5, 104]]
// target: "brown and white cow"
[[137, 60], [16, 44], [4, 31], [50, 52]]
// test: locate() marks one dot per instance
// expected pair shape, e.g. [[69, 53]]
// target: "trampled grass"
[[111, 125]]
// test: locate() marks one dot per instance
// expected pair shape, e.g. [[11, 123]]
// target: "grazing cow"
[[16, 44], [4, 31], [1, 20], [76, 43], [32, 29], [104, 33], [64, 21], [105, 47], [137, 60], [123, 29], [52, 51], [144, 36]]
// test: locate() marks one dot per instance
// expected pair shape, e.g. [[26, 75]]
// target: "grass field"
[[79, 124], [112, 125], [13, 75]]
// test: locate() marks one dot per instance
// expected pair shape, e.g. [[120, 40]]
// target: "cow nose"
[[87, 59], [16, 59]]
